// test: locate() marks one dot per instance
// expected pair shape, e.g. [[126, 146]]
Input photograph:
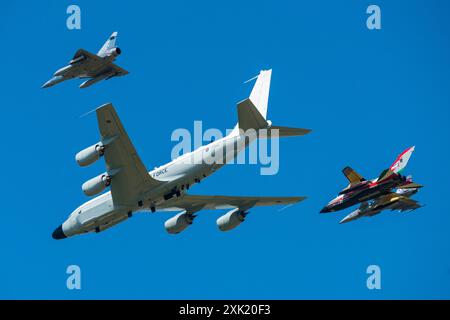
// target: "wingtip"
[[104, 106]]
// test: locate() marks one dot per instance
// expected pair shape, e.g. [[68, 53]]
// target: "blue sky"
[[367, 95]]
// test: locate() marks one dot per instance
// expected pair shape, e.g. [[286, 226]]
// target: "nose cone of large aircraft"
[[58, 234]]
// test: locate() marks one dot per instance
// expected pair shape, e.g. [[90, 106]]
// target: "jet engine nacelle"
[[115, 52], [96, 185], [178, 223], [89, 155], [231, 219]]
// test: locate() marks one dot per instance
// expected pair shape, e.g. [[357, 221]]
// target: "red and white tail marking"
[[402, 160]]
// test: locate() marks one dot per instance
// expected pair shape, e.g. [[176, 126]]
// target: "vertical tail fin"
[[402, 160], [252, 112], [260, 93], [109, 44]]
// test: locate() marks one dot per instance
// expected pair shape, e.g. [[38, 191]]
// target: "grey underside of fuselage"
[[88, 69]]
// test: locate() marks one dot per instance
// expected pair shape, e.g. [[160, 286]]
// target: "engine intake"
[[179, 223], [231, 219], [89, 155], [96, 185]]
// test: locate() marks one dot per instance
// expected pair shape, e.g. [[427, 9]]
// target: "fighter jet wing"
[[118, 71], [86, 54], [352, 176], [196, 203], [398, 202], [130, 178], [406, 204]]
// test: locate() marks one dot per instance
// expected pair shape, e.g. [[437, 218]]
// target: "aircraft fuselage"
[[86, 68], [365, 191], [180, 174], [83, 68]]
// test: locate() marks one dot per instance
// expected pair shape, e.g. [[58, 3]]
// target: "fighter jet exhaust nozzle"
[[115, 52], [231, 219], [96, 185], [179, 223], [90, 155]]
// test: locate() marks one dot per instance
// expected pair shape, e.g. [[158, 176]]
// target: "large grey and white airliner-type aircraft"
[[96, 67], [135, 189]]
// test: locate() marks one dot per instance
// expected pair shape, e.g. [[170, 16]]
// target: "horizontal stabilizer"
[[290, 132]]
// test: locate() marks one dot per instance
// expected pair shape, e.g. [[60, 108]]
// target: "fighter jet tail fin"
[[109, 44], [402, 160], [290, 132]]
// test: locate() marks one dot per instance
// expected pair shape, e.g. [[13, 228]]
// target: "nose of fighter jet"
[[325, 209], [58, 234], [46, 85]]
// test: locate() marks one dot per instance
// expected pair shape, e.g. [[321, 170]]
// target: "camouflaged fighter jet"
[[378, 194], [134, 189], [96, 67]]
